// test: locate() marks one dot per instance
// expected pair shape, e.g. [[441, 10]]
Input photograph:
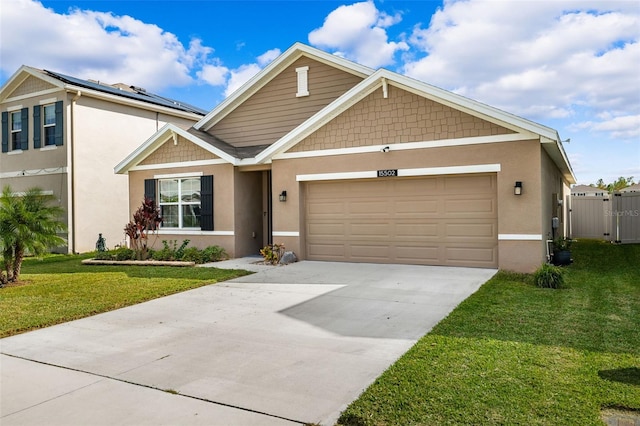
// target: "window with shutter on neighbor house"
[[16, 131], [49, 125]]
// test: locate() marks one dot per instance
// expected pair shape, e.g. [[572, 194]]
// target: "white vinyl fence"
[[614, 217]]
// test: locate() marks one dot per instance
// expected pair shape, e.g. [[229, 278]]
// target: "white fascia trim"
[[34, 172], [269, 72], [195, 232], [512, 137], [48, 101], [178, 175], [132, 102], [520, 237], [198, 163], [428, 171], [286, 233]]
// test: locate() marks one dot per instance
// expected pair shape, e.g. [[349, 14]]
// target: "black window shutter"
[[37, 126], [150, 189], [24, 133], [59, 124], [206, 203], [5, 132]]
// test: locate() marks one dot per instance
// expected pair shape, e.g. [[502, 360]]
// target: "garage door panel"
[[416, 230], [470, 207], [325, 208], [470, 231], [327, 250], [326, 230], [369, 208], [422, 255], [469, 184], [471, 256], [370, 253], [374, 230], [442, 220], [413, 207]]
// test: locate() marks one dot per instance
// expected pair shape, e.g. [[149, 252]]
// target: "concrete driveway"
[[287, 345]]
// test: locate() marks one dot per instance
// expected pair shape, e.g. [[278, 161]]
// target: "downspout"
[[72, 176]]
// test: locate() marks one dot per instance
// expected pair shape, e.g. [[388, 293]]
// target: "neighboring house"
[[341, 162], [64, 135], [588, 191], [631, 188]]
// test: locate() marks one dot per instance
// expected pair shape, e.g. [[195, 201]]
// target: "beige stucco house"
[[64, 135], [341, 162]]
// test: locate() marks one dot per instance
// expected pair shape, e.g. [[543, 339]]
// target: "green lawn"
[[516, 354], [59, 289]]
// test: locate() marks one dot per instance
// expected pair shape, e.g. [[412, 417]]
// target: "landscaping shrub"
[[124, 253], [193, 254], [170, 250], [549, 276], [213, 254], [272, 253]]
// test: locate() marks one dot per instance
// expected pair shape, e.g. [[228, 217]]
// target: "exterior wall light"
[[283, 196], [517, 190]]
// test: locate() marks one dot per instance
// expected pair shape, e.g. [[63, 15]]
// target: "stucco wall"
[[223, 206], [519, 161], [104, 134]]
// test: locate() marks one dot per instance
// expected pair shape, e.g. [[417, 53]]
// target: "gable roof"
[[372, 80], [119, 92], [632, 188], [270, 72]]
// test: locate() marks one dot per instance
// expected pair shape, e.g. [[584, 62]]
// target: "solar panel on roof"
[[139, 94]]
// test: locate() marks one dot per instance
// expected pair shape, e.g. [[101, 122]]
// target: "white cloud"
[[358, 32], [244, 73], [623, 127], [215, 75], [96, 45], [542, 59]]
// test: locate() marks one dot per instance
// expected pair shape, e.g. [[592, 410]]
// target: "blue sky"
[[568, 64]]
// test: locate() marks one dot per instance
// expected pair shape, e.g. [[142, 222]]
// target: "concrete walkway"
[[288, 345]]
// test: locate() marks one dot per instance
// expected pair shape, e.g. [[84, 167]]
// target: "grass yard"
[[516, 354], [59, 289]]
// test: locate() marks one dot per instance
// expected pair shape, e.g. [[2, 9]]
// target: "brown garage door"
[[439, 220]]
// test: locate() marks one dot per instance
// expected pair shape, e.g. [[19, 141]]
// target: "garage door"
[[438, 220]]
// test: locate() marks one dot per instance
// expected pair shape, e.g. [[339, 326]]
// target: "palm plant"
[[28, 225]]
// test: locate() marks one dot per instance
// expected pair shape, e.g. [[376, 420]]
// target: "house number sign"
[[388, 173]]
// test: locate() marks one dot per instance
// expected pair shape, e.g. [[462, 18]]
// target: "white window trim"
[[45, 125], [178, 175], [303, 81], [48, 101], [11, 131], [193, 231], [178, 203], [48, 147], [14, 108]]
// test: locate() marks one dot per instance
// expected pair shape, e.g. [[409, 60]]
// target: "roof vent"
[[138, 89]]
